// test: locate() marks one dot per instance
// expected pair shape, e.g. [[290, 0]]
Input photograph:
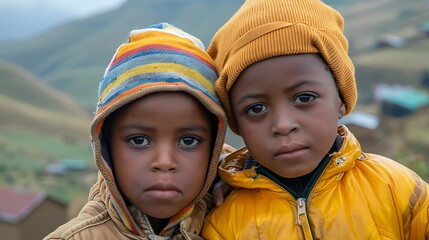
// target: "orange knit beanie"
[[263, 29]]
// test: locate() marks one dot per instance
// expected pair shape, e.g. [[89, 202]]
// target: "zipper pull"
[[302, 219], [156, 237], [300, 204]]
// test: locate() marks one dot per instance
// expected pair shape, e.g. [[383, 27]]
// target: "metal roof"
[[16, 203], [361, 119], [410, 99]]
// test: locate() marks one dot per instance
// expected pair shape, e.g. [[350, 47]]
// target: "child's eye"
[[255, 109], [189, 141], [139, 141], [304, 98]]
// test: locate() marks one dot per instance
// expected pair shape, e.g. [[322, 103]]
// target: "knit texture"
[[175, 221], [159, 58], [263, 29]]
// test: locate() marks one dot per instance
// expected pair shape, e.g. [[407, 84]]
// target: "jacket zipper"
[[302, 219], [301, 205], [301, 202]]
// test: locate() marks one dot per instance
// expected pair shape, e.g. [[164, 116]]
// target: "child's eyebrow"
[[195, 128], [140, 127], [135, 127], [249, 96], [289, 88], [303, 83]]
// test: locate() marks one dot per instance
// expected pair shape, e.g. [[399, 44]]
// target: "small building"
[[425, 79], [365, 128], [361, 120], [74, 165], [55, 169], [370, 130], [399, 104], [390, 41], [424, 28], [65, 166], [28, 215], [397, 101]]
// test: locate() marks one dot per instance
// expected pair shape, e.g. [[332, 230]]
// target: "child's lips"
[[163, 194], [162, 191], [290, 152]]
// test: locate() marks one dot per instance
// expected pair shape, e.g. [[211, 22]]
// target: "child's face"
[[287, 110], [160, 145]]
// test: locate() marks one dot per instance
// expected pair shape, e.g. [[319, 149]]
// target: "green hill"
[[39, 125], [73, 57], [36, 117], [393, 66], [29, 104], [368, 20]]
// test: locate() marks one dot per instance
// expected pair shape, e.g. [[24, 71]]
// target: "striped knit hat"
[[159, 58], [263, 29]]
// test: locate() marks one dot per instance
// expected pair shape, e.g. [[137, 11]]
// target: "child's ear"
[[342, 109]]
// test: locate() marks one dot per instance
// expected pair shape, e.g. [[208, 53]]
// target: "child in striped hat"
[[157, 135], [285, 80]]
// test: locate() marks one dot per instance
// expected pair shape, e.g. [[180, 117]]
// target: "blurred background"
[[53, 55]]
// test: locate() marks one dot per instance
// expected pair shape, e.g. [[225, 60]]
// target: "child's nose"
[[164, 160], [283, 122]]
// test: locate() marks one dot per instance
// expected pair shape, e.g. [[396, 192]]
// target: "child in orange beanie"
[[285, 81]]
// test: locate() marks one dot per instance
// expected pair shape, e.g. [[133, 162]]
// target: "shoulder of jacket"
[[393, 174], [382, 164], [234, 162], [89, 220]]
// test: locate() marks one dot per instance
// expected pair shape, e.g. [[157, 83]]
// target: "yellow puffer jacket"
[[357, 196]]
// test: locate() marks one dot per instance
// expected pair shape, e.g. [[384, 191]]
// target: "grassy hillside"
[[22, 86], [33, 105], [395, 66], [368, 20], [38, 126], [73, 57]]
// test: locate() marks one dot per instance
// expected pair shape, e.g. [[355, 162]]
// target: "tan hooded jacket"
[[156, 59]]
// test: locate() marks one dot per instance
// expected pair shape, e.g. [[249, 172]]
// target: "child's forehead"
[[159, 99], [280, 64], [305, 58], [156, 98], [163, 114], [289, 72]]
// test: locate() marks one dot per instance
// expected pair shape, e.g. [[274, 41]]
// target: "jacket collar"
[[341, 161]]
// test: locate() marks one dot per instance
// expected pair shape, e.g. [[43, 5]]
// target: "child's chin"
[[158, 213]]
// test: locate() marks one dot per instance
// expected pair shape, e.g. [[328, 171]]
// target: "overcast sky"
[[78, 7], [20, 19]]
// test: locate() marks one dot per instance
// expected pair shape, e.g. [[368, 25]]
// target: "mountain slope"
[[26, 103], [39, 125], [92, 41], [73, 57]]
